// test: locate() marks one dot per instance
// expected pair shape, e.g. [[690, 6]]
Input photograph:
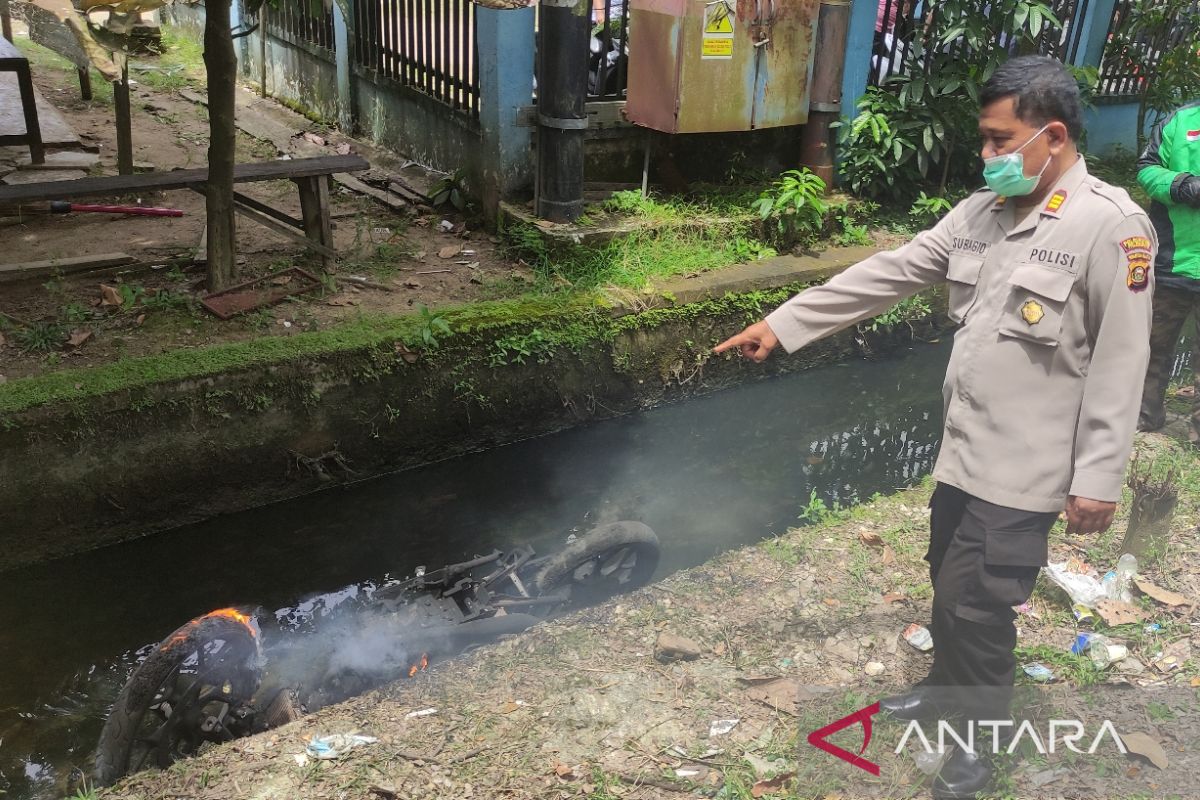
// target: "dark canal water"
[[708, 475]]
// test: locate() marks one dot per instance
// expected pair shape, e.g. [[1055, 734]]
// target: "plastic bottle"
[[1104, 651], [928, 761], [1112, 587], [1126, 570]]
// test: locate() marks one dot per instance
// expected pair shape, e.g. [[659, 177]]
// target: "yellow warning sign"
[[718, 19], [717, 48], [717, 41]]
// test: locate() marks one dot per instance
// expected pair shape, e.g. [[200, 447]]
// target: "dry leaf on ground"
[[450, 251], [870, 538], [79, 337], [109, 296], [1142, 745], [773, 786], [1159, 594]]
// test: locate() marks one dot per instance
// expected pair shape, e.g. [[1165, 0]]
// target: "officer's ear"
[[1057, 137]]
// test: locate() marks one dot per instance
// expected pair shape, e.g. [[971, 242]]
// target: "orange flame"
[[420, 665], [232, 613]]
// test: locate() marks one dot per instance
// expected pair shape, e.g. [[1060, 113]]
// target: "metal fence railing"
[[427, 45], [608, 64], [309, 21], [904, 31], [1131, 59]]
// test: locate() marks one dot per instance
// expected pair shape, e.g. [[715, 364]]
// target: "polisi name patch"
[[976, 247], [1135, 243], [1059, 259]]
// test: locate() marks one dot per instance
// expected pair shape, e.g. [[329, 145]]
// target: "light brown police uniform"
[[1042, 390]]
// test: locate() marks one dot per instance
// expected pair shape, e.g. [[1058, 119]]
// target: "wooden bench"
[[11, 60], [311, 176]]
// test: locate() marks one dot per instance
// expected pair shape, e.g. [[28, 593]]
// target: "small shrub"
[[928, 210], [794, 205], [41, 337]]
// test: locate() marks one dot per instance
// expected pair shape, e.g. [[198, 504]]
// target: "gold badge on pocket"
[[1032, 312]]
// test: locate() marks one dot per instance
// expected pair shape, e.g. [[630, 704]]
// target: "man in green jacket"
[[1169, 171]]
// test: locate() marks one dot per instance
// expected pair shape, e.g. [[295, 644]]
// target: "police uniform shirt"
[[1042, 389]]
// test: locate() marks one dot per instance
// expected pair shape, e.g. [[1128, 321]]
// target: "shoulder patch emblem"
[[1193, 136], [1137, 262], [1139, 273], [1056, 200], [1032, 312]]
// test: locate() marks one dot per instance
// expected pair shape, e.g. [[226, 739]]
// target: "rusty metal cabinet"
[[730, 65]]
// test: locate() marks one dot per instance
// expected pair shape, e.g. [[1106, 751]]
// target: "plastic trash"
[[720, 727], [1104, 651], [1080, 645], [1083, 614], [336, 746], [929, 761], [1083, 589], [1038, 672], [1126, 571], [424, 712], [919, 637]]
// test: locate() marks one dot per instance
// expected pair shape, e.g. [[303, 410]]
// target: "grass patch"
[[179, 64]]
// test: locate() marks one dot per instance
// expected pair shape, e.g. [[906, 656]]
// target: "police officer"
[[1048, 272]]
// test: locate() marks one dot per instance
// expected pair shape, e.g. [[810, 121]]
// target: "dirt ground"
[[425, 257], [792, 634]]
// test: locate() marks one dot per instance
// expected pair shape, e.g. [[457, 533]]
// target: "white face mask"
[[1005, 175]]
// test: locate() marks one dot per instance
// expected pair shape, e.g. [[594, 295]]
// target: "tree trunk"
[[221, 66]]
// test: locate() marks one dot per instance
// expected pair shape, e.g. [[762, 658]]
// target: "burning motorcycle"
[[213, 680]]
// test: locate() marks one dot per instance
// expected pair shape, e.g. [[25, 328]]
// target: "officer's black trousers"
[[983, 560]]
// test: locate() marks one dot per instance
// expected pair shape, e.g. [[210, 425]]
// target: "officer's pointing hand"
[[1088, 516], [755, 343]]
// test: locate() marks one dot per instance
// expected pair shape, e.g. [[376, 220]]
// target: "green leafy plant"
[[164, 299], [40, 337], [431, 328], [816, 511], [906, 312], [76, 313], [795, 204], [928, 210], [132, 294], [918, 130], [450, 190]]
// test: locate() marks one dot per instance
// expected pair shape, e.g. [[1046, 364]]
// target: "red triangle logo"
[[863, 716]]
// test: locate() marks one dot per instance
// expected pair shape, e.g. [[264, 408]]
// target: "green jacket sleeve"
[[1154, 173]]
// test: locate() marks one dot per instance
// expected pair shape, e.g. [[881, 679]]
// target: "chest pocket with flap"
[[1037, 300], [962, 280]]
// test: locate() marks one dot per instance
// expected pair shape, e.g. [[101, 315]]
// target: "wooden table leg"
[[124, 125], [33, 129], [5, 21], [85, 83], [314, 209]]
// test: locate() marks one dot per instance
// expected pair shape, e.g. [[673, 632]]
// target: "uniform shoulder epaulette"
[[1117, 196]]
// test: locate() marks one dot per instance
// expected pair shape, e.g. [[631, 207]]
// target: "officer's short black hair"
[[1042, 89]]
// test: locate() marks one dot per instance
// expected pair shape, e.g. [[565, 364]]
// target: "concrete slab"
[[55, 130], [22, 176], [67, 159]]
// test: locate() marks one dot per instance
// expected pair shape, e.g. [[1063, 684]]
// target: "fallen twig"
[[357, 281], [411, 756], [433, 271], [650, 780], [467, 756]]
